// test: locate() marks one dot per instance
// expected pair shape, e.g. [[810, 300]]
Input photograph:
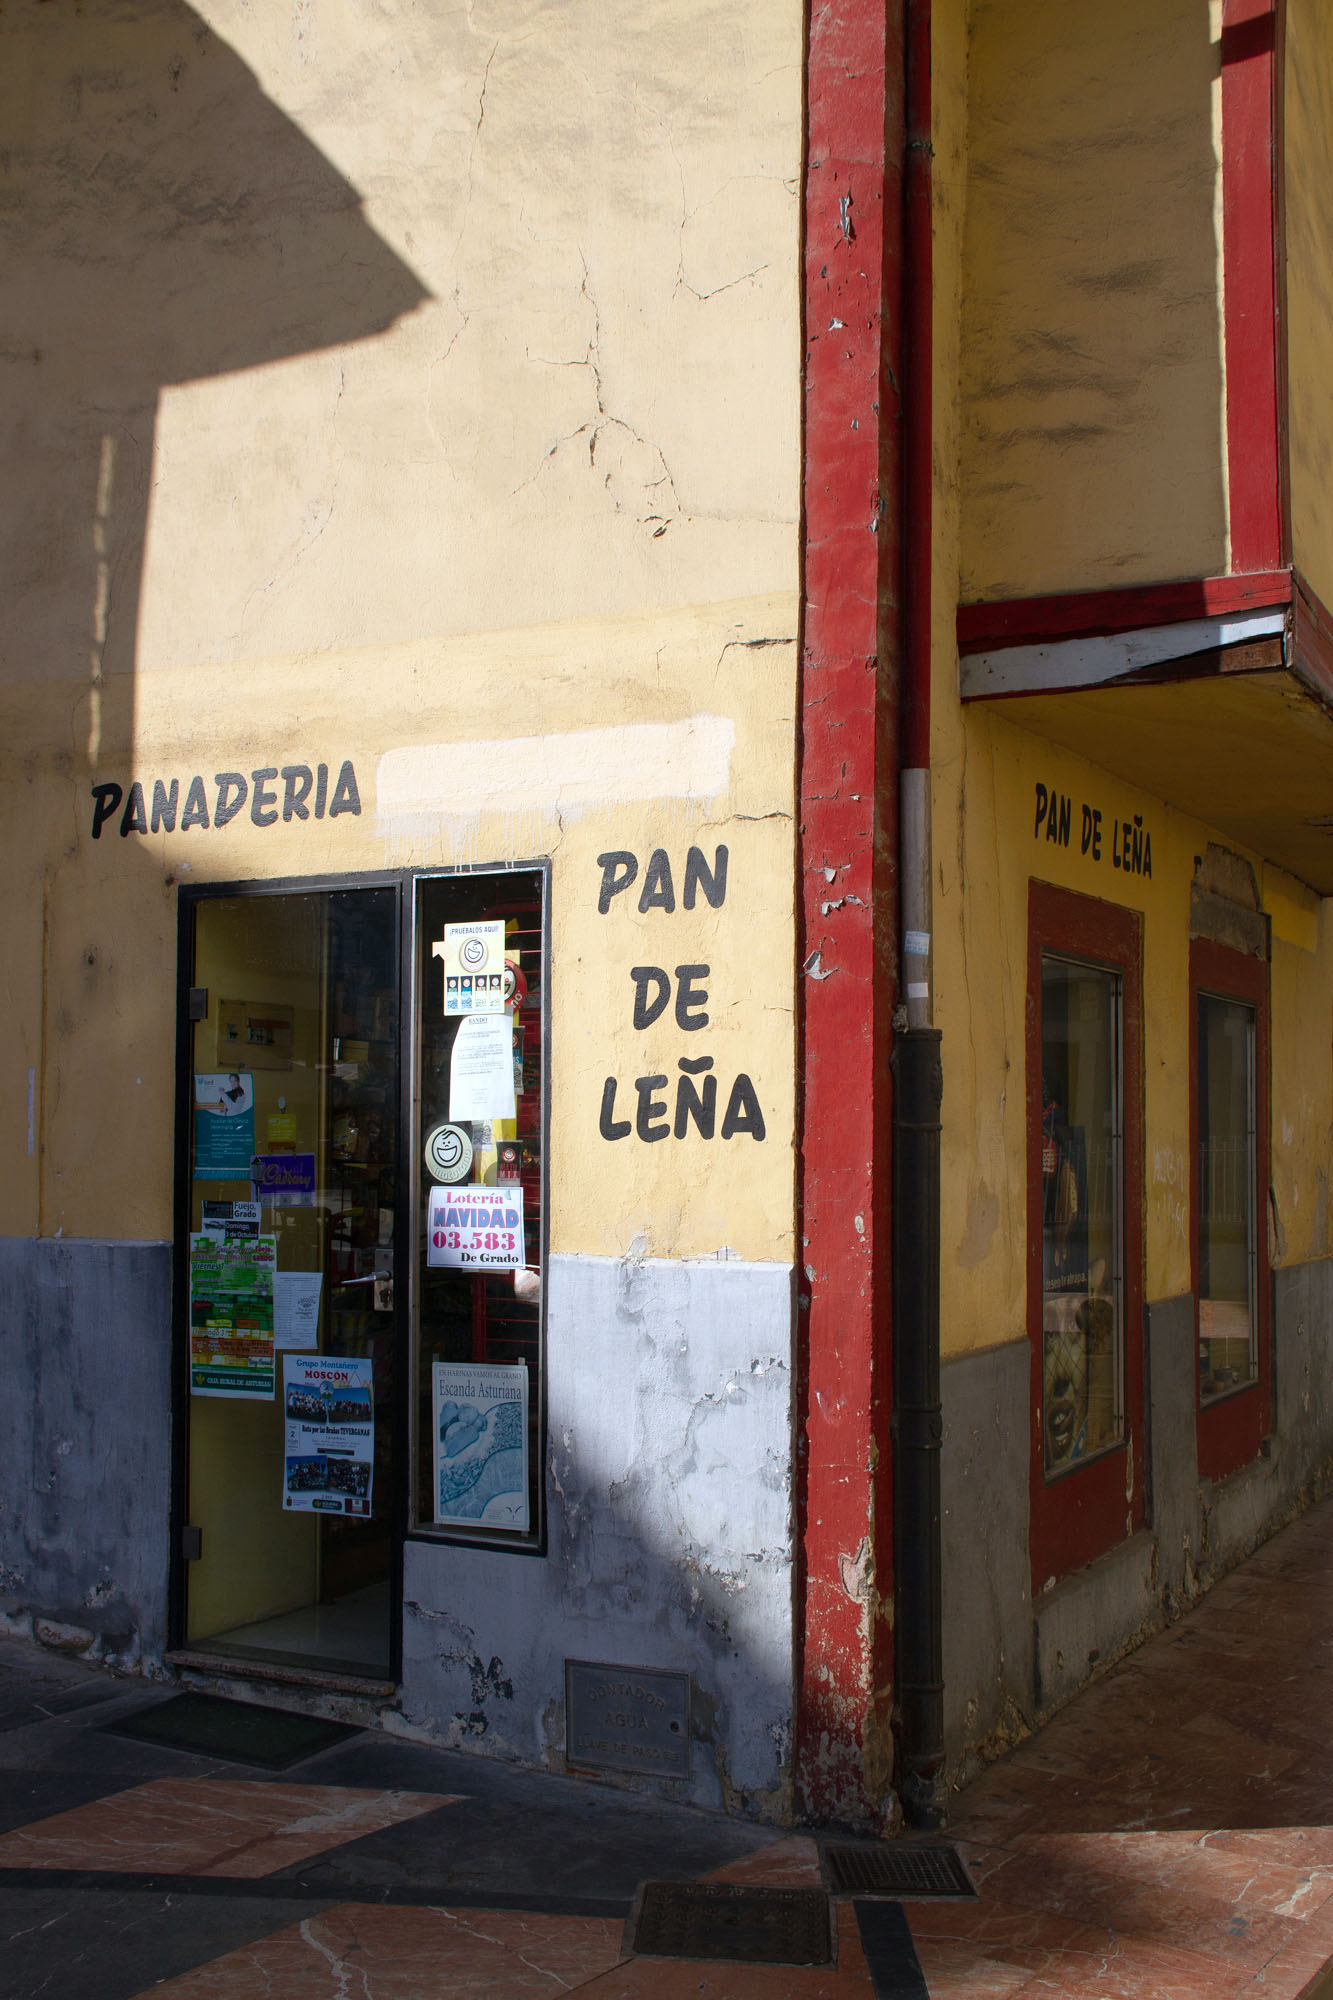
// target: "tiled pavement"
[[1169, 1834]]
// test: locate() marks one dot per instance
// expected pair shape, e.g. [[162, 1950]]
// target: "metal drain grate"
[[897, 1870], [723, 1920]]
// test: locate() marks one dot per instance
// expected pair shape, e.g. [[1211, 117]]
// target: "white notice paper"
[[481, 1068], [296, 1308]]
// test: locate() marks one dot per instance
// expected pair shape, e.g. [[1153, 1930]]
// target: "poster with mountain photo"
[[480, 1430]]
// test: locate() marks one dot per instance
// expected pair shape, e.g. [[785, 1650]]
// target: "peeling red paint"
[[1250, 316], [848, 817]]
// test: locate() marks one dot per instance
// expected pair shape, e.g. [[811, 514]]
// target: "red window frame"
[[1088, 1510], [1230, 1431]]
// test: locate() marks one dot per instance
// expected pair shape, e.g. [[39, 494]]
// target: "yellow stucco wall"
[[662, 733], [1078, 413], [1308, 196], [1092, 424], [405, 383], [981, 984]]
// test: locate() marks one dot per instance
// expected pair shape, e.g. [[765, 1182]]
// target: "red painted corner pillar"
[[1254, 420], [848, 889]]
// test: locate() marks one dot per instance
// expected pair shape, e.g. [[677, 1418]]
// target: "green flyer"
[[231, 1317]]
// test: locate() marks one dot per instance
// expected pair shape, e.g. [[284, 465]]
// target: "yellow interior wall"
[[257, 1560], [1308, 120], [1091, 380]]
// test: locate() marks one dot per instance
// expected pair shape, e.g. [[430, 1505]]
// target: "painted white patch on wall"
[[567, 771]]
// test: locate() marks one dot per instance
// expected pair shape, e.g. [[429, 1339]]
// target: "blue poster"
[[224, 1125]]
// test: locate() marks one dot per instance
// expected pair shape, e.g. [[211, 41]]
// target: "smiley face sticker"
[[449, 1154]]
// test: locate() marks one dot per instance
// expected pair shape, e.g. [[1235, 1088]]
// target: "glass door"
[[289, 1263]]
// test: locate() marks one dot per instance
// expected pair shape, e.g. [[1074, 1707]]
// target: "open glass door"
[[292, 1195]]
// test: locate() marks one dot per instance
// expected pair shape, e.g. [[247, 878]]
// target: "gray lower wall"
[[85, 1431], [984, 1540], [670, 1527], [668, 1481], [1009, 1661]]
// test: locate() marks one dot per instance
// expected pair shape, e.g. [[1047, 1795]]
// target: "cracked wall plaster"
[[592, 409], [670, 1529]]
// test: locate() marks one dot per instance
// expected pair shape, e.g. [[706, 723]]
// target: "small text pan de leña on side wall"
[[1125, 843]]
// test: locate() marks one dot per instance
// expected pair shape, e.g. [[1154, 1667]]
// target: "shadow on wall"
[[669, 1545], [161, 221]]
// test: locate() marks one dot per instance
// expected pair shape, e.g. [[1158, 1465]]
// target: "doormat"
[[723, 1920], [240, 1732], [901, 1869]]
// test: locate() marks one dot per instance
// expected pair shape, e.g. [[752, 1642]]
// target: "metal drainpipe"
[[917, 1068]]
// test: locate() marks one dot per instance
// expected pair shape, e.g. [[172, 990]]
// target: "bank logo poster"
[[480, 1426], [329, 1412], [224, 1125], [231, 1317]]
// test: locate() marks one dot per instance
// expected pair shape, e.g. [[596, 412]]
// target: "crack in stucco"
[[595, 428]]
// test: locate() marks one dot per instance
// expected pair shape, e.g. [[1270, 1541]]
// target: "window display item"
[[1228, 1347], [1080, 1245], [480, 1426], [231, 1318], [224, 1125], [296, 1296], [259, 1035], [481, 1068], [449, 1153], [475, 1228], [329, 1413], [474, 967]]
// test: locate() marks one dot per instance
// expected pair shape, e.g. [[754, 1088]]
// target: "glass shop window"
[[287, 1251], [1230, 1115], [360, 1251], [1082, 1308], [479, 1255], [1228, 1318], [1084, 1088]]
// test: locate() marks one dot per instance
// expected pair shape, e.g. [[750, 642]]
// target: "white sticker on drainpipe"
[[918, 990]]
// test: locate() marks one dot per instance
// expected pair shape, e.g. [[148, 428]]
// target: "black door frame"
[[403, 882]]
